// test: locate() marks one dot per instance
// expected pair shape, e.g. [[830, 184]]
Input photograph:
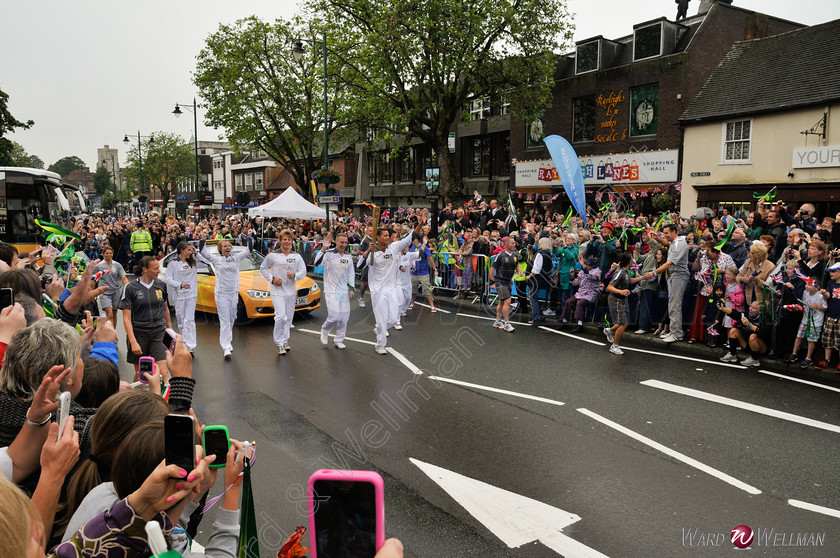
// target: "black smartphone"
[[7, 297], [346, 513], [179, 434], [216, 441]]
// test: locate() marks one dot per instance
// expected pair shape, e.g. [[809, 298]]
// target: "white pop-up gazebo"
[[289, 205]]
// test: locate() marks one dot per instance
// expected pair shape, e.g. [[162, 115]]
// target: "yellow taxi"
[[254, 298]]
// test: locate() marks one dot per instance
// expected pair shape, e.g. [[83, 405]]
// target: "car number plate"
[[299, 301]]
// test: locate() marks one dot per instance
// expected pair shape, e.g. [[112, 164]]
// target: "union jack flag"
[[678, 186], [636, 266], [808, 280], [598, 197], [777, 277], [632, 195], [645, 193], [712, 330]]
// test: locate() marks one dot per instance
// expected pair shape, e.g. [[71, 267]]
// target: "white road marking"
[[439, 309], [675, 454], [558, 332], [515, 519], [741, 405], [800, 380], [488, 318], [496, 390], [814, 508], [681, 357], [400, 357], [346, 338]]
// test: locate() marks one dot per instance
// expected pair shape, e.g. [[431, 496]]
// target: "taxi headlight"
[[314, 288], [258, 294]]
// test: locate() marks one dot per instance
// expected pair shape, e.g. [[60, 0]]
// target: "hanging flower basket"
[[326, 176]]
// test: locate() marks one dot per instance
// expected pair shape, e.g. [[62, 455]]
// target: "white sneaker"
[[340, 346], [499, 324], [550, 312], [380, 350], [729, 357], [610, 335], [398, 327], [362, 303], [750, 361], [291, 326], [640, 331], [325, 337], [508, 327], [281, 350], [286, 346], [616, 350], [228, 352], [664, 334], [402, 314], [670, 338]]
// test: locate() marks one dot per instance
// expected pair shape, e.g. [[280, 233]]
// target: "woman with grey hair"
[[29, 356]]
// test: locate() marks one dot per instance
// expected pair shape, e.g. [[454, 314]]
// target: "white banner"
[[815, 157], [646, 167]]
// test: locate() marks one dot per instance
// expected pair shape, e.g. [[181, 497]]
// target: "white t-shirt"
[[277, 264]]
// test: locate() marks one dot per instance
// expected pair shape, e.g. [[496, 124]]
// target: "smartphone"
[[346, 513], [169, 340], [63, 410], [7, 297], [145, 364], [179, 436], [216, 440]]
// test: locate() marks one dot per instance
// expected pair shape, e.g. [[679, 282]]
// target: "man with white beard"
[[339, 287], [386, 293]]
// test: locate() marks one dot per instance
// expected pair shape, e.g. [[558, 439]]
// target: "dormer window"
[[647, 42], [586, 59], [479, 108]]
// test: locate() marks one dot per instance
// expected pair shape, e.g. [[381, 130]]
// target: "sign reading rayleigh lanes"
[[816, 157], [645, 167]]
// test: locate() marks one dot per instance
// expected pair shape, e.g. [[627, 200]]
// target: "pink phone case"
[[141, 377], [348, 476]]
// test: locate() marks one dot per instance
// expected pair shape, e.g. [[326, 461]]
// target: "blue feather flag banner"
[[568, 170]]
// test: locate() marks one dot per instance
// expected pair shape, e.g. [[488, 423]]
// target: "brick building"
[[618, 101]]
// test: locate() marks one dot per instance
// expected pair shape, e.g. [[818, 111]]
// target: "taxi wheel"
[[241, 312]]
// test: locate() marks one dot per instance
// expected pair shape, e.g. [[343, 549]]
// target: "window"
[[405, 165], [479, 109], [586, 59], [259, 181], [504, 105], [478, 160], [736, 143], [647, 42], [501, 154], [644, 109], [237, 182], [249, 181], [387, 168], [217, 185], [583, 126]]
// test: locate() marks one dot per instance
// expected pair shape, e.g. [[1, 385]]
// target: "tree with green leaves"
[[255, 89], [66, 165], [35, 162], [8, 124], [411, 66], [102, 180], [168, 162]]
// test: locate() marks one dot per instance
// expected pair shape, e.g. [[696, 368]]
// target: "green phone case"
[[215, 464]]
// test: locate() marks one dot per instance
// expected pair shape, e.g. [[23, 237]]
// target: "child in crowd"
[[790, 309], [812, 321], [831, 325], [733, 299]]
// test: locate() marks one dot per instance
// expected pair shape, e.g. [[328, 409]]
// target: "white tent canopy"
[[288, 205]]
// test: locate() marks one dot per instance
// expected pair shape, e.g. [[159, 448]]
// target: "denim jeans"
[[534, 300]]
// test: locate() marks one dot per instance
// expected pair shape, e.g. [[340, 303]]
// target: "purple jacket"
[[589, 285]]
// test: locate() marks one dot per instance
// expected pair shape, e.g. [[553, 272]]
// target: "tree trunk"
[[450, 178]]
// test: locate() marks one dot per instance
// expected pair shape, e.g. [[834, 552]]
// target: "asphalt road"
[[646, 454]]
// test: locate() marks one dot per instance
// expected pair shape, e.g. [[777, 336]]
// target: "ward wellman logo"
[[742, 536]]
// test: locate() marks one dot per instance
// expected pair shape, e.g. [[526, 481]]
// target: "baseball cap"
[[835, 267]]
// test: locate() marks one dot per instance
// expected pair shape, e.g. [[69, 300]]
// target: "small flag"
[[636, 266], [793, 307], [712, 330], [777, 277], [808, 280]]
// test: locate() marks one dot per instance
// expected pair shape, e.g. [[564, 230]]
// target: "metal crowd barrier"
[[470, 274]]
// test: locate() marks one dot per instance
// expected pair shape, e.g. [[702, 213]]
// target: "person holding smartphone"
[[183, 277], [146, 315]]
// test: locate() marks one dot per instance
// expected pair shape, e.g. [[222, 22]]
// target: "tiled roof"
[[793, 69]]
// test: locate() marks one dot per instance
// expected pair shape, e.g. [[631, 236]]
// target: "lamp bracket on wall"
[[817, 129]]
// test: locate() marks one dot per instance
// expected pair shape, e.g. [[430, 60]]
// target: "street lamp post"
[[298, 52], [177, 112], [139, 154]]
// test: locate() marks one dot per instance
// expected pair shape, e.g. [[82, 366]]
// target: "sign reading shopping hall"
[[619, 168], [815, 157]]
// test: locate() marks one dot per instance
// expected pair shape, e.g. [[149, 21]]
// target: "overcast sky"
[[90, 71]]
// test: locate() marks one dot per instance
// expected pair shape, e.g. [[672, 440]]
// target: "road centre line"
[[681, 357], [741, 405], [800, 380], [496, 390], [672, 453], [558, 332], [400, 357], [814, 508], [333, 335]]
